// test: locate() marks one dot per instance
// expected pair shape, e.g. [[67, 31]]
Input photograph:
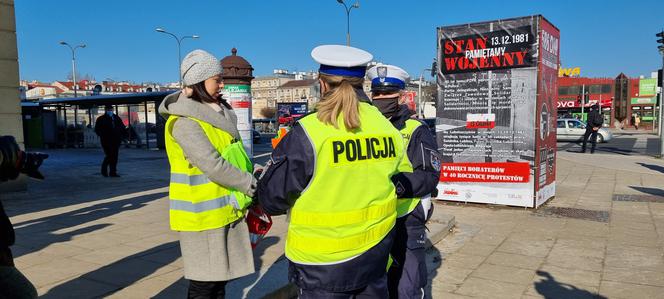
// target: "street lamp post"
[[661, 113], [348, 9], [419, 94], [660, 47], [73, 62], [179, 41]]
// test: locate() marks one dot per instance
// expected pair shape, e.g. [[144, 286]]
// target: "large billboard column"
[[494, 131]]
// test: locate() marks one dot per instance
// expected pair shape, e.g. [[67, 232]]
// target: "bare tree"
[[269, 112]]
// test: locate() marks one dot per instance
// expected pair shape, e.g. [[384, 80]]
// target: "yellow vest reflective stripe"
[[196, 203], [407, 205], [350, 203]]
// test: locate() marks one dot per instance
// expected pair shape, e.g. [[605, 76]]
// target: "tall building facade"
[[10, 108]]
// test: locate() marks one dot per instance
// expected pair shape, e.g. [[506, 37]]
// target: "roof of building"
[[298, 83], [117, 99]]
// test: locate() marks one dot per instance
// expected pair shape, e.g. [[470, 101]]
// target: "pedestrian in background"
[[211, 179], [637, 121], [111, 131], [593, 124], [333, 172], [420, 171]]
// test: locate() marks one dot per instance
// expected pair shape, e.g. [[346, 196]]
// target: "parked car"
[[571, 129]]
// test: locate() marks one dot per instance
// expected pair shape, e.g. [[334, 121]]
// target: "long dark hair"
[[199, 94]]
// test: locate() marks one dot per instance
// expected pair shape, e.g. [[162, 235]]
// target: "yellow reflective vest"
[[196, 203], [349, 204], [407, 205]]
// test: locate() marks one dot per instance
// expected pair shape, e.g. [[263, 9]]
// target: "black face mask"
[[387, 106]]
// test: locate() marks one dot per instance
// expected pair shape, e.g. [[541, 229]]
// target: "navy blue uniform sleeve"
[[425, 159], [287, 173]]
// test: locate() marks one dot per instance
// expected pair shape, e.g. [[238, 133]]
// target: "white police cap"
[[385, 77], [341, 60]]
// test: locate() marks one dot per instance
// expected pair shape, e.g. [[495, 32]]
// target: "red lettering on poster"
[[499, 172], [480, 124]]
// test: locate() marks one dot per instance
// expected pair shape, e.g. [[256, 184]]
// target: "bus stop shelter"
[[69, 122]]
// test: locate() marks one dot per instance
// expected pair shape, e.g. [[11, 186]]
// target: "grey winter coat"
[[219, 254]]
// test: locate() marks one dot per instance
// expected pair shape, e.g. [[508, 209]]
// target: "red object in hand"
[[259, 224]]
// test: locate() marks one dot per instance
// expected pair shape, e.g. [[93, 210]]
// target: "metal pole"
[[179, 61], [66, 125], [419, 97], [129, 126], [347, 26], [73, 68], [583, 99], [661, 115], [147, 136]]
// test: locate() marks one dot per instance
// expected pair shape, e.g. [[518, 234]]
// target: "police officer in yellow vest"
[[332, 173], [420, 172], [211, 181]]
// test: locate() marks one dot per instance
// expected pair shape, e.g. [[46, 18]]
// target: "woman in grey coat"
[[212, 256]]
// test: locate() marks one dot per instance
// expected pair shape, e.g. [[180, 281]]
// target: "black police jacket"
[[288, 172], [423, 156]]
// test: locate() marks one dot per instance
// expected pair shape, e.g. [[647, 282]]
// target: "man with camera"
[[14, 161]]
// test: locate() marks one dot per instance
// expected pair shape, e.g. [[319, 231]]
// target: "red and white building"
[[618, 97]]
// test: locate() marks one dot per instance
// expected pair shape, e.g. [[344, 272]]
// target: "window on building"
[[563, 90], [575, 89], [600, 88]]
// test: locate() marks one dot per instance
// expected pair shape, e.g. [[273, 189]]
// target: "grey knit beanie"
[[198, 66]]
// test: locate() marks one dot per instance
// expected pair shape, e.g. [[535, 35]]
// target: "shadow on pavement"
[[235, 290], [36, 234], [651, 191], [433, 262], [550, 288], [652, 167], [73, 177], [109, 279]]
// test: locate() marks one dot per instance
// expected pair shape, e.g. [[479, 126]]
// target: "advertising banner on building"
[[289, 112], [647, 87], [493, 129]]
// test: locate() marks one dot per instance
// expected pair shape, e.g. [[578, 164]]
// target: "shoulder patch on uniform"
[[399, 188], [435, 160]]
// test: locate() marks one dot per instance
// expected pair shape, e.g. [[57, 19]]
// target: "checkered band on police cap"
[[198, 66]]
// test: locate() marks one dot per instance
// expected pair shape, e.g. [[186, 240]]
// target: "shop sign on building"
[[644, 101], [647, 87]]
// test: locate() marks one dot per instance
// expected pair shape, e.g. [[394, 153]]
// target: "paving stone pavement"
[[80, 235], [499, 252]]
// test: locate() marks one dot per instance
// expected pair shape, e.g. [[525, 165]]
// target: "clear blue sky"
[[602, 37]]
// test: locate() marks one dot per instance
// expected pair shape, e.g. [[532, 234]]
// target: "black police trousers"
[[408, 275], [375, 289]]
